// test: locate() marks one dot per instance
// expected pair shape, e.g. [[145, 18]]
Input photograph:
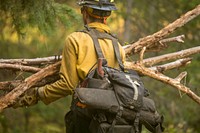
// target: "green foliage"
[[43, 14]]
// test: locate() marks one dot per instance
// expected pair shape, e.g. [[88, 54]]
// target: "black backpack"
[[111, 100]]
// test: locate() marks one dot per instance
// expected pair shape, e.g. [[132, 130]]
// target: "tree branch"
[[159, 76], [163, 42], [150, 41], [142, 54], [36, 61], [174, 39], [171, 65], [181, 76], [171, 56], [19, 67]]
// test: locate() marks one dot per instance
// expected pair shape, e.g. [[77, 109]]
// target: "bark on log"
[[9, 85], [29, 82], [150, 41], [167, 80]]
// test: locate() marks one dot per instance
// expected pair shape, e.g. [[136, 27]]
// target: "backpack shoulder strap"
[[117, 53], [95, 35]]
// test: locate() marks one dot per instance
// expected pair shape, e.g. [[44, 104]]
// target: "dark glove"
[[29, 98]]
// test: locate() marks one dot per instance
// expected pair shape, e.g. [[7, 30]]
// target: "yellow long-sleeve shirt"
[[78, 57]]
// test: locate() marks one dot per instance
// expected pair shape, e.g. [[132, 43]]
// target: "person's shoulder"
[[76, 39], [77, 35]]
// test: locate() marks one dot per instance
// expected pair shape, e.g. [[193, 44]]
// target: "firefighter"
[[78, 57]]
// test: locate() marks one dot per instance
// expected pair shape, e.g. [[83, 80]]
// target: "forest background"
[[37, 28]]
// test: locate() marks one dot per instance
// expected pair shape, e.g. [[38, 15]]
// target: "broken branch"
[[181, 76], [142, 54]]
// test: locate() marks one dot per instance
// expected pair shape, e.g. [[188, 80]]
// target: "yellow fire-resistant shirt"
[[78, 57]]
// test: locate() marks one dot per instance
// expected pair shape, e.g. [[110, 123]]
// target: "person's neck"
[[89, 21]]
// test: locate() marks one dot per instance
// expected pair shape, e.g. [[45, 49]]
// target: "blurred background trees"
[[37, 28]]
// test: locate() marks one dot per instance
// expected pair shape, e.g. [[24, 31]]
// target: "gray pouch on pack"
[[97, 98]]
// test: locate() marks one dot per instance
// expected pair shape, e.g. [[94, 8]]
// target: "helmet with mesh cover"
[[105, 5]]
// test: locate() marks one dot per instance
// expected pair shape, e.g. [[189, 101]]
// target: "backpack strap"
[[99, 52], [117, 53], [95, 35], [118, 116], [136, 122]]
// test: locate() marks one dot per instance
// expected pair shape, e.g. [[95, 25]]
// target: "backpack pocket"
[[98, 83], [128, 88]]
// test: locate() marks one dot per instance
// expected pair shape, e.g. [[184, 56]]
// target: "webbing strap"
[[118, 116], [117, 53], [95, 35], [97, 46], [136, 122]]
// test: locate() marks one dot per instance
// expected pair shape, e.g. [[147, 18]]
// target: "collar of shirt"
[[99, 26]]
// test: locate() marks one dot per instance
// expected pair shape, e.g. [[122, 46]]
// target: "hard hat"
[[105, 5]]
